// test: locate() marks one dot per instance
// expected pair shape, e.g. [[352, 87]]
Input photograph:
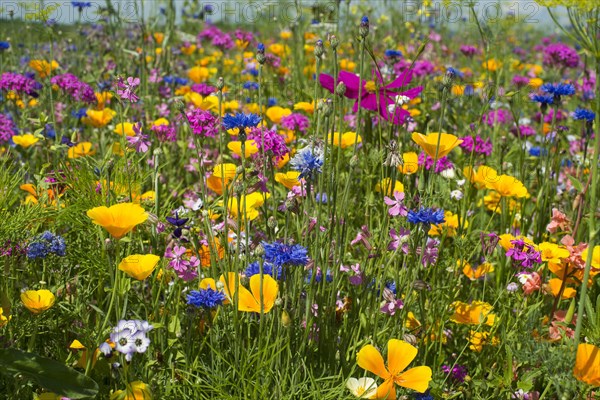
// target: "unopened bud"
[[340, 89], [319, 49], [334, 42], [363, 29], [220, 83], [272, 222]]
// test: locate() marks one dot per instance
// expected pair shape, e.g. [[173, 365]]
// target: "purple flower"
[[127, 90], [524, 254], [363, 237], [458, 373], [129, 337], [202, 122], [78, 90], [165, 133], [203, 89], [468, 51], [7, 128], [520, 81], [441, 164], [295, 122], [390, 304], [18, 83], [499, 116], [399, 239], [269, 141], [139, 141], [477, 145], [396, 205], [430, 254], [185, 269], [561, 55]]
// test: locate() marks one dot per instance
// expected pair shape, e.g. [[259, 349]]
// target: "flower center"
[[371, 86], [360, 391]]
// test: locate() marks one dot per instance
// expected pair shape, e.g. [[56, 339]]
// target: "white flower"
[[456, 195], [364, 388], [461, 182], [448, 173]]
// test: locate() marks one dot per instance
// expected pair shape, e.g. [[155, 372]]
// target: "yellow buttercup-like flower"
[[429, 143], [126, 128], [250, 147], [25, 141], [139, 266], [385, 186], [473, 314], [37, 301], [119, 219], [410, 163]]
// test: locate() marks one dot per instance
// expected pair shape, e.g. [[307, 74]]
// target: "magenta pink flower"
[[396, 205], [385, 99]]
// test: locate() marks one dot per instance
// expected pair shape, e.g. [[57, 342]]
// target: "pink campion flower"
[[559, 222], [390, 304], [363, 237], [396, 205], [126, 91], [139, 141], [399, 239], [374, 94]]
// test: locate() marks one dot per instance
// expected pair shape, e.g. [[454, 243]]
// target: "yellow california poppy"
[[119, 219], [482, 177], [43, 67], [400, 354], [479, 272], [347, 139], [250, 300], [410, 163], [250, 147], [139, 266], [276, 113], [98, 118], [288, 179], [82, 149], [385, 186], [587, 364], [473, 314], [3, 319], [125, 127], [37, 301], [429, 143], [137, 390], [507, 186]]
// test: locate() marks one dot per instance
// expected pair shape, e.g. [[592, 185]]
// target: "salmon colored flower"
[[37, 301], [26, 140], [119, 219], [587, 364], [139, 266], [250, 300], [400, 354], [429, 143]]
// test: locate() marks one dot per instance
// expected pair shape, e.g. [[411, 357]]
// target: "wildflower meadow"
[[317, 200]]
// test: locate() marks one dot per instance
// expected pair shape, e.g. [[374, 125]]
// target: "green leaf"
[[576, 183], [49, 374]]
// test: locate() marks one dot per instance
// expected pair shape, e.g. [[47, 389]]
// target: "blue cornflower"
[[583, 114], [321, 198], [391, 286], [319, 276], [537, 151], [206, 298], [423, 396], [364, 21], [393, 53], [558, 89], [308, 161], [240, 121], [82, 112], [260, 48], [46, 243], [49, 131], [251, 85], [469, 90], [426, 216], [104, 85], [271, 101], [4, 46], [268, 269], [453, 72], [542, 99], [279, 254]]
